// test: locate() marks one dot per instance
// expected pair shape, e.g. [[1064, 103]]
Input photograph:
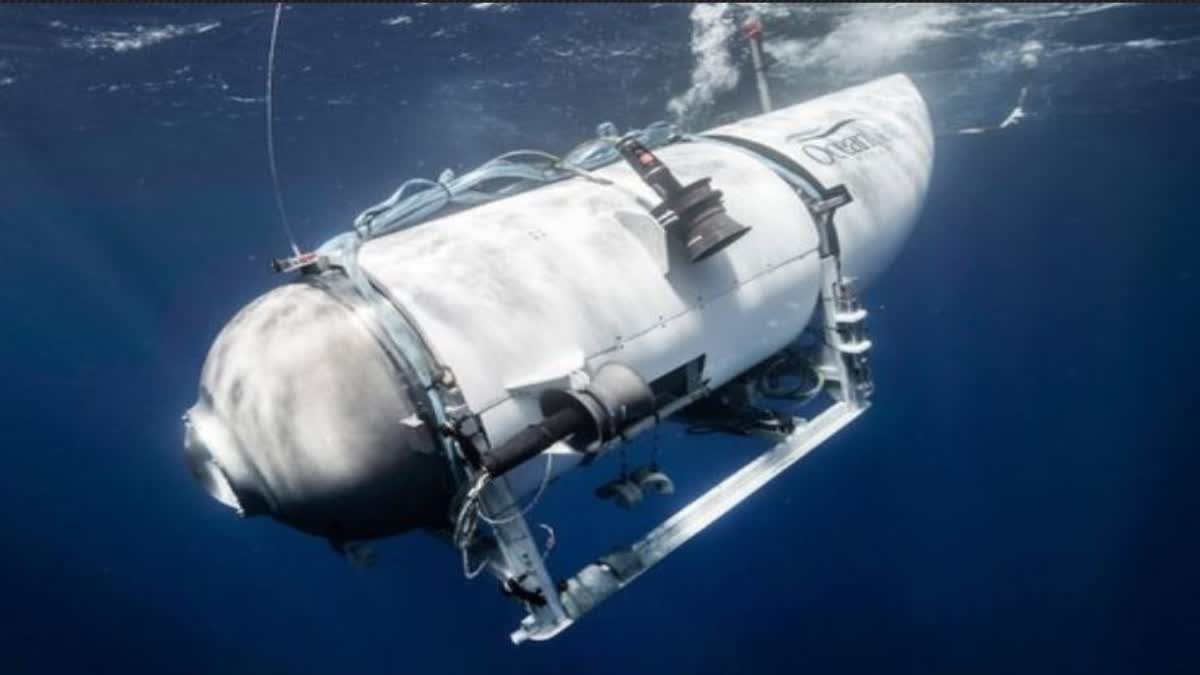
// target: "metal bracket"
[[842, 362], [523, 564]]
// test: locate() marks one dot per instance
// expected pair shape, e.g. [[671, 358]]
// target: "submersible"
[[435, 373]]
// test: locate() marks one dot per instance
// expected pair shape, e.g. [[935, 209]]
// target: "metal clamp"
[[335, 268]]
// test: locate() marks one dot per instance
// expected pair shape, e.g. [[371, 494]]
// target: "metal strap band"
[[399, 336]]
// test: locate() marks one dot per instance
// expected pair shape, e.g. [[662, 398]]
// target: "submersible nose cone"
[[205, 441], [302, 416]]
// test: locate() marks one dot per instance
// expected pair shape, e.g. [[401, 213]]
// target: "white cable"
[[532, 502], [551, 541], [472, 510], [287, 228], [464, 524], [467, 571]]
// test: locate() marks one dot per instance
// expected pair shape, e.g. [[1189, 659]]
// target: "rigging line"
[[287, 228], [504, 520]]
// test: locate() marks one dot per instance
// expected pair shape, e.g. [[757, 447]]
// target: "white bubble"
[[1030, 53]]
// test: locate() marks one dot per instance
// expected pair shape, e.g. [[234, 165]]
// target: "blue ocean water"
[[1019, 499]]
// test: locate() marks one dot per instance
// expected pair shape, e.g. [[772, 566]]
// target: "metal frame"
[[842, 362], [516, 559]]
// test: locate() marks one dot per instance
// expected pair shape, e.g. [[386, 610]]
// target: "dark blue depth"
[[1021, 498]]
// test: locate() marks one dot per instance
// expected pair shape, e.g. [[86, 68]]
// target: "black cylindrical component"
[[616, 395], [649, 168], [704, 227], [535, 438]]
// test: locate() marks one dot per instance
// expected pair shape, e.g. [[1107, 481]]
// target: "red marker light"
[[752, 28]]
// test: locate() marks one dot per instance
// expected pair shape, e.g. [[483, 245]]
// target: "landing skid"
[[599, 580]]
